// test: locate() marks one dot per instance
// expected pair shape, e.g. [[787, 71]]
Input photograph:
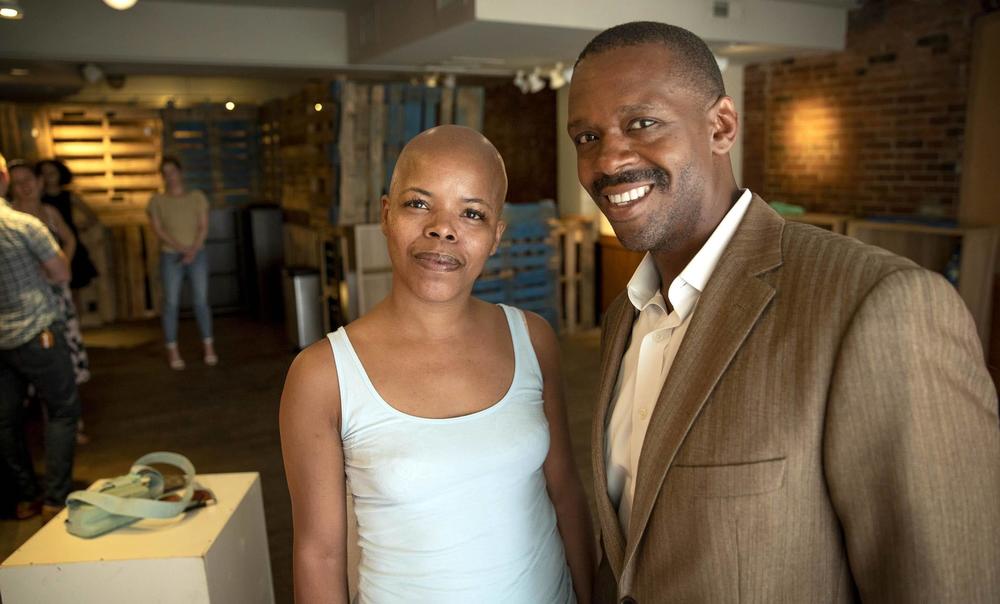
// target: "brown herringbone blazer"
[[828, 433]]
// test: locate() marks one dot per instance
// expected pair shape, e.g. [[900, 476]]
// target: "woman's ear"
[[384, 212]]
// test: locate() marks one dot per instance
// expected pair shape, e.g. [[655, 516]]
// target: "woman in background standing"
[[56, 178], [180, 220]]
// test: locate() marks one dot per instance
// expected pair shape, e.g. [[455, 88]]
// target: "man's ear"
[[725, 125], [384, 212]]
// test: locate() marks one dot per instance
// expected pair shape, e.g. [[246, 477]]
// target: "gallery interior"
[[870, 118]]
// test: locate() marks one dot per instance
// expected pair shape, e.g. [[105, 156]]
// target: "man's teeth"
[[627, 196]]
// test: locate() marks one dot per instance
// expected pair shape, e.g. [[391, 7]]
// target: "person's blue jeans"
[[172, 272], [51, 371]]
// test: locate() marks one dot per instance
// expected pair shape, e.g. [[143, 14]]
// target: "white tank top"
[[452, 510]]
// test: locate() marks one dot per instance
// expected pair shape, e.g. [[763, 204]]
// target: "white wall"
[[572, 198], [176, 33], [732, 77]]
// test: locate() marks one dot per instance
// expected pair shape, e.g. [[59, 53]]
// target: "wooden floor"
[[225, 418]]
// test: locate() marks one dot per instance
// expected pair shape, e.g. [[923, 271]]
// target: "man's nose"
[[615, 154]]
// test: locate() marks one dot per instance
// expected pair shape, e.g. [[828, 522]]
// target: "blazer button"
[[628, 600]]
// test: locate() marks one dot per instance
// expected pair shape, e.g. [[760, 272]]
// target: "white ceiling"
[[330, 4]]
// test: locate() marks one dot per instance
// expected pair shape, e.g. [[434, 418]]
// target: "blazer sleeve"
[[912, 447]]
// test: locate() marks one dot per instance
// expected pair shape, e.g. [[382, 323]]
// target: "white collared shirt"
[[656, 337]]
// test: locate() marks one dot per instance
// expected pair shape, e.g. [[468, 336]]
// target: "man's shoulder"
[[20, 221], [806, 248]]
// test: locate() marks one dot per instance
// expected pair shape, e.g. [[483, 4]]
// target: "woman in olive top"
[[180, 220]]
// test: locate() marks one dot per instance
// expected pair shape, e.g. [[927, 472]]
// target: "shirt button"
[[659, 337], [643, 413]]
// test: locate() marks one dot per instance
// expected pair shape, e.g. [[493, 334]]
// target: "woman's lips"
[[437, 261]]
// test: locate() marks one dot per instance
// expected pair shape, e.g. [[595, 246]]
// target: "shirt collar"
[[644, 286]]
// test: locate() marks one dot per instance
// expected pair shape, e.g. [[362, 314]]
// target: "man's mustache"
[[656, 175]]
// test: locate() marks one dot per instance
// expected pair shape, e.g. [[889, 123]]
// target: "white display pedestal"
[[216, 555]]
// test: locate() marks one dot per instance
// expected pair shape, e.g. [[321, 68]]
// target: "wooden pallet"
[[114, 152], [219, 150]]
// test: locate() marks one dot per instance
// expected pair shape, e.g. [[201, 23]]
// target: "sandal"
[[174, 359]]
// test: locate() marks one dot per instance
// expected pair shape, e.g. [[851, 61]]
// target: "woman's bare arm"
[[313, 453], [561, 476]]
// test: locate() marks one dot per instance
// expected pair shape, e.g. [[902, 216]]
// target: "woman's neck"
[[417, 318]]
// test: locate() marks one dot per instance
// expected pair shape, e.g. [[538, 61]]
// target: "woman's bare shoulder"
[[311, 385]]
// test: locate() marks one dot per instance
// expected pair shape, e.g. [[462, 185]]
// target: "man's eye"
[[474, 214], [586, 137], [415, 203], [640, 123]]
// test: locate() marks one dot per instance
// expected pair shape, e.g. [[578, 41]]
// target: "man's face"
[[642, 144], [24, 185]]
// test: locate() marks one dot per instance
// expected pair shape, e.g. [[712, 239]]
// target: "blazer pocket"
[[730, 480]]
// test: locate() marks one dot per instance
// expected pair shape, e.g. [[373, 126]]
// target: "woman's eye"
[[416, 203], [640, 123], [474, 214]]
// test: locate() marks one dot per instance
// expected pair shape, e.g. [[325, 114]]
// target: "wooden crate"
[[576, 237], [218, 149], [19, 132], [114, 152]]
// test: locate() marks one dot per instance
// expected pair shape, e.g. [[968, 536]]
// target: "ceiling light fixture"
[[230, 105], [521, 81], [431, 80], [318, 107], [535, 81], [449, 81], [556, 78], [11, 9], [120, 4]]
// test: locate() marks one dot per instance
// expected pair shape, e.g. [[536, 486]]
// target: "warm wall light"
[[230, 105], [318, 107], [120, 4], [19, 71]]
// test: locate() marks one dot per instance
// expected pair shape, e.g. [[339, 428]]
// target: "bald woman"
[[441, 414]]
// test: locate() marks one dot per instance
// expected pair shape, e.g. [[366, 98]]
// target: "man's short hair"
[[696, 63]]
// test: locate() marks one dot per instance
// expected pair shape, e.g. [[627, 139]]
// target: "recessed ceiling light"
[[120, 4], [318, 106], [20, 71], [11, 9], [230, 105]]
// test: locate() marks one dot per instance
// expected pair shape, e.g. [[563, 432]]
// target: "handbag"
[[126, 499]]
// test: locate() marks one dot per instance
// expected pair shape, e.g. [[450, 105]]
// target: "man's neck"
[[671, 263]]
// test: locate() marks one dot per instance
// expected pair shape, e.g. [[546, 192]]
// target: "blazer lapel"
[[617, 331], [727, 310]]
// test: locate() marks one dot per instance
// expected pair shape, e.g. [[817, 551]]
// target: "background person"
[[180, 220], [33, 350]]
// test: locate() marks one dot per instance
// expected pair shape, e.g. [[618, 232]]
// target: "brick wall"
[[875, 129]]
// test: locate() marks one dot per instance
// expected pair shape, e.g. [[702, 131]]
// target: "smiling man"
[[785, 414]]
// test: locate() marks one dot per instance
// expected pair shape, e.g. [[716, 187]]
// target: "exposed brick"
[[878, 128]]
